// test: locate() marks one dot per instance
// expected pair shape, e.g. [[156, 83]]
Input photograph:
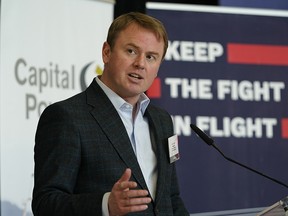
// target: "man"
[[105, 150]]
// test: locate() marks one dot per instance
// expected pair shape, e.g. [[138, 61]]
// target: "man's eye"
[[131, 51], [151, 57]]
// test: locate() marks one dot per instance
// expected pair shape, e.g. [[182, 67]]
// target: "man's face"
[[133, 63]]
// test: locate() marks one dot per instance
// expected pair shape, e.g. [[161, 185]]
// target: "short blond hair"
[[143, 20]]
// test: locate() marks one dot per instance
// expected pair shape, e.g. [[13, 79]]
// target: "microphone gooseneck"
[[202, 135], [211, 142]]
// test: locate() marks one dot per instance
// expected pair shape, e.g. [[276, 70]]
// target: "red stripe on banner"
[[155, 89], [284, 128], [257, 54]]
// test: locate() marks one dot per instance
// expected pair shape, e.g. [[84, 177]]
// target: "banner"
[[50, 50], [226, 70]]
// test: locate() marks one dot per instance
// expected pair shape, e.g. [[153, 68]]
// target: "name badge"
[[173, 148]]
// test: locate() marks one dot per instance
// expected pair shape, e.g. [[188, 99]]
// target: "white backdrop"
[[45, 46]]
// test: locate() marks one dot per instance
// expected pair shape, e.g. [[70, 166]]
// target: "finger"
[[130, 194], [126, 175], [138, 201], [133, 208], [135, 197], [136, 193], [124, 183]]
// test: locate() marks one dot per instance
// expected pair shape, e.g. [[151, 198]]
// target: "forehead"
[[135, 29], [141, 36]]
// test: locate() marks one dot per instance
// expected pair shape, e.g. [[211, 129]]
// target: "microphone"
[[211, 142]]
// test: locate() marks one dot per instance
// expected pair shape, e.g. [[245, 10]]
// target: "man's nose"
[[140, 62]]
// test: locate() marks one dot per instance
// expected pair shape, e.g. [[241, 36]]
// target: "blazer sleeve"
[[57, 156]]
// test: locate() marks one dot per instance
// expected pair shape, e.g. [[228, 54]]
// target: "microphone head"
[[202, 135]]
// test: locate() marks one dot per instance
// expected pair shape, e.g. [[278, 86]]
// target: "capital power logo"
[[89, 71], [49, 81]]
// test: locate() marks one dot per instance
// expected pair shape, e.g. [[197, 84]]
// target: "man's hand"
[[123, 199]]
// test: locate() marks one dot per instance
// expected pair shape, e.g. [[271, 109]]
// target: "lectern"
[[280, 208]]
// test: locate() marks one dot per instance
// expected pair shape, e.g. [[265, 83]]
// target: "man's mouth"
[[135, 76]]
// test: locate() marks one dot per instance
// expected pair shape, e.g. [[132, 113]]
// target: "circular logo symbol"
[[88, 72]]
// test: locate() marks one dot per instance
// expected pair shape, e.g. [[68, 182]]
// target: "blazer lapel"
[[156, 129], [110, 122]]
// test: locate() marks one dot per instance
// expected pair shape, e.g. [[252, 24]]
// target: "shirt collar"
[[118, 102]]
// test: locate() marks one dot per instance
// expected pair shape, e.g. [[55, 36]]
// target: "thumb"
[[126, 175]]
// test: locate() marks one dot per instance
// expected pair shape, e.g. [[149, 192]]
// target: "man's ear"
[[106, 50]]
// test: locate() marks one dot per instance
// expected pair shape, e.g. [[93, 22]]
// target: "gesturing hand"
[[124, 198]]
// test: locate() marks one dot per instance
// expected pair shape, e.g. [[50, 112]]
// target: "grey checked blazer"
[[82, 149]]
